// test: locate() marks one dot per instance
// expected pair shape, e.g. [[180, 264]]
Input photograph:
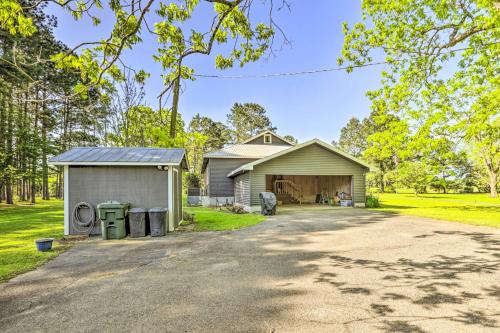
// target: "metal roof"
[[120, 156], [246, 151]]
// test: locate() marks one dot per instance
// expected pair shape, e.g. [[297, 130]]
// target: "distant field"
[[477, 209], [20, 225]]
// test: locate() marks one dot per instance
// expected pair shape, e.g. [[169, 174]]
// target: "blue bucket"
[[44, 244]]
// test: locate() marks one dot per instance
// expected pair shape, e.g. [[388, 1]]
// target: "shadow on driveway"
[[306, 270]]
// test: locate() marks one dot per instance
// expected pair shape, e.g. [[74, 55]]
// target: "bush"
[[187, 217], [193, 180], [372, 201]]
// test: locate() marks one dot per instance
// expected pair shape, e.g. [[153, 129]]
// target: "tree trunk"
[[493, 184], [34, 158], [9, 198], [45, 167], [175, 105]]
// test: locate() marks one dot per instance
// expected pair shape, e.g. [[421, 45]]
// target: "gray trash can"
[[137, 221], [158, 221]]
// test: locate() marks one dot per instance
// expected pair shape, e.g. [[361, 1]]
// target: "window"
[[268, 138]]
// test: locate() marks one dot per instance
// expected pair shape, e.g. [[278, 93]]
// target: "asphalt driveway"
[[307, 270]]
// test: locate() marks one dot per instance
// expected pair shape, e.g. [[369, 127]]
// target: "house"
[[296, 173], [143, 177]]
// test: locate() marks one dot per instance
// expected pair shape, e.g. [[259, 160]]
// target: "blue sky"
[[306, 106]]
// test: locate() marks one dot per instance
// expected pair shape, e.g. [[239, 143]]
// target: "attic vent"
[[268, 138]]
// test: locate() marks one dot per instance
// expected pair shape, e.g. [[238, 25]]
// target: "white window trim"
[[268, 136]]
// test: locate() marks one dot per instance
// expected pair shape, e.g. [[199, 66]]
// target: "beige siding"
[[310, 160], [242, 189]]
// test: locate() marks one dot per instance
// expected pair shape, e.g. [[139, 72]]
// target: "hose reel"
[[83, 226]]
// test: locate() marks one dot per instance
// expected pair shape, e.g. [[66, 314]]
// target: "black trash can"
[[137, 221], [158, 221]]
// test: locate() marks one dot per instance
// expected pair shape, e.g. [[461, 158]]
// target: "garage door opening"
[[295, 189]]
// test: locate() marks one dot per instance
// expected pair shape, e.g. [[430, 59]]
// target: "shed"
[[143, 177]]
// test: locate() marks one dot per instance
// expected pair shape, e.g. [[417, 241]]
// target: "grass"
[[209, 219], [477, 209], [20, 225]]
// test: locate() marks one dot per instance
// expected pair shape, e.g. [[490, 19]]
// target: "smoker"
[[267, 203]]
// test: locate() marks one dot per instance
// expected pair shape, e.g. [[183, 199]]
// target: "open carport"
[[291, 189]]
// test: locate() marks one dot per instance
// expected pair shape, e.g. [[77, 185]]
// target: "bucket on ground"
[[112, 215], [137, 221], [158, 221], [44, 244]]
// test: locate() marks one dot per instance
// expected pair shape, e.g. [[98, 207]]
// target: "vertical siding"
[[144, 187], [310, 160], [219, 184], [242, 189]]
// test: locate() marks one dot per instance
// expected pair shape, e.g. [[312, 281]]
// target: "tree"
[[205, 135], [414, 175], [178, 38], [126, 94], [247, 120], [218, 134], [442, 67], [291, 138], [353, 136]]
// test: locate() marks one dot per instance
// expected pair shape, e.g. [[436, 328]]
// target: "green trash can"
[[112, 215]]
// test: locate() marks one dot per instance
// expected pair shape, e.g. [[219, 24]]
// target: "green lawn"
[[209, 219], [478, 209], [20, 225]]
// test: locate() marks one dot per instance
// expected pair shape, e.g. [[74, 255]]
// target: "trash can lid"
[[113, 204], [157, 210], [137, 210]]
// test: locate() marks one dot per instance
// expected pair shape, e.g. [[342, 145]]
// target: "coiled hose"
[[83, 226]]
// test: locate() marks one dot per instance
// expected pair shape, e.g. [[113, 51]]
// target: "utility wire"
[[323, 70], [315, 71]]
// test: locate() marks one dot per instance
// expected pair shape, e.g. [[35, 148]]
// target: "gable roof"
[[249, 166], [243, 151], [268, 132], [120, 156]]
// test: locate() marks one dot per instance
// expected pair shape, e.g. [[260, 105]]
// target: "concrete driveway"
[[307, 270]]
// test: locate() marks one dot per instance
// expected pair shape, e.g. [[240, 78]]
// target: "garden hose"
[[83, 226]]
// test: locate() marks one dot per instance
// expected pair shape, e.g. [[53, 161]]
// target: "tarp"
[[267, 202]]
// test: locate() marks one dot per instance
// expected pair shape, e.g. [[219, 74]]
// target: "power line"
[[323, 70], [314, 71]]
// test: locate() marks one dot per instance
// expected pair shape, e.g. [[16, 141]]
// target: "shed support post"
[[170, 204], [66, 200]]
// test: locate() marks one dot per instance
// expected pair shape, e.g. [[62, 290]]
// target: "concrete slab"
[[309, 269]]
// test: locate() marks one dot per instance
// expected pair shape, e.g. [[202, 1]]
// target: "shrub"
[[188, 217], [372, 201]]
